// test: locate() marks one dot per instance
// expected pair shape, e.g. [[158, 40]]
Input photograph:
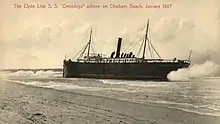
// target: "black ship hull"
[[128, 71]]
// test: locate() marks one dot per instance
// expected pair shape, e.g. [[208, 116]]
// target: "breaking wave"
[[135, 83], [205, 70], [66, 86], [32, 74]]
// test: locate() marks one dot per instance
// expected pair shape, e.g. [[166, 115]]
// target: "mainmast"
[[145, 40], [90, 38]]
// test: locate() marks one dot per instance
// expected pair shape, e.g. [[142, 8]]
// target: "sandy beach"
[[22, 104]]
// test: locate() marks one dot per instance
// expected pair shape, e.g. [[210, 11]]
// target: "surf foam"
[[35, 74], [207, 69]]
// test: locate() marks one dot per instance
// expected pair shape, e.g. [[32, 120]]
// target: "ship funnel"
[[118, 48]]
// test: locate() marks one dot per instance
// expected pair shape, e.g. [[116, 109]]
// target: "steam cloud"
[[39, 38]]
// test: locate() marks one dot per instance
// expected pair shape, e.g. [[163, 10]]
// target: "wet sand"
[[22, 104]]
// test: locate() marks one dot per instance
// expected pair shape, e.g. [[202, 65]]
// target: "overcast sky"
[[40, 38]]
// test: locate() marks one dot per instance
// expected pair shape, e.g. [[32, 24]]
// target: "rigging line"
[[140, 38], [135, 45], [140, 47], [92, 48], [80, 51], [132, 43], [154, 49], [150, 53], [84, 50], [84, 39], [149, 47], [128, 46], [92, 45]]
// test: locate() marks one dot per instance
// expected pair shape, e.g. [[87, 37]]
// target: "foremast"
[[89, 44]]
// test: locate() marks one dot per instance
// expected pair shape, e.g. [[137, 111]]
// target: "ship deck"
[[131, 60]]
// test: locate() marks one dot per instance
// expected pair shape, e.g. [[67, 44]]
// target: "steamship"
[[124, 66]]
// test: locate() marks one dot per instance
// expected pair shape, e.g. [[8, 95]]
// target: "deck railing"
[[130, 60]]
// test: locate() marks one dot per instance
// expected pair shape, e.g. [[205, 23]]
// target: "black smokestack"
[[118, 48]]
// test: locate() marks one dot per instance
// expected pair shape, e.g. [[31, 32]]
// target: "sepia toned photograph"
[[109, 62]]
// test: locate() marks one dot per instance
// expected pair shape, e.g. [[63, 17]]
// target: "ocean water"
[[198, 95]]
